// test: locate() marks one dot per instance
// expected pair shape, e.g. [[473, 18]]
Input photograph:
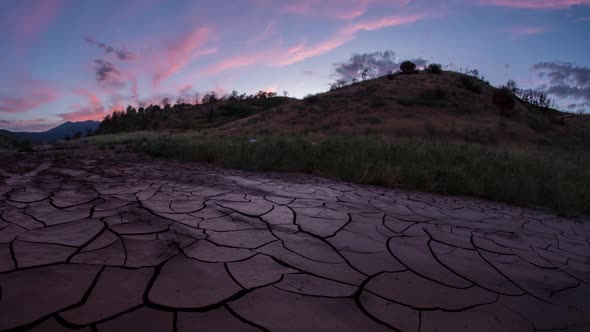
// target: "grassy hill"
[[432, 132], [188, 117], [450, 105]]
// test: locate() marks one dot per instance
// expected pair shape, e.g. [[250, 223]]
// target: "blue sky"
[[76, 60]]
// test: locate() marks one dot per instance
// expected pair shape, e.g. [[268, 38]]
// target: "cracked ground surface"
[[110, 243]]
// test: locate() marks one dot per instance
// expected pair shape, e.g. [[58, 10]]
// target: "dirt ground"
[[98, 241]]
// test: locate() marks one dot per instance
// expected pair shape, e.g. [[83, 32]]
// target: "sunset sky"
[[67, 60]]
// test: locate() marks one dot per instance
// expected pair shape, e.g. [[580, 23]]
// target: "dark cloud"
[[4, 121], [566, 80], [105, 70], [123, 54], [108, 75], [379, 63]]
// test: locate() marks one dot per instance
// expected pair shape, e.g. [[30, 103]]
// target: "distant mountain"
[[60, 132]]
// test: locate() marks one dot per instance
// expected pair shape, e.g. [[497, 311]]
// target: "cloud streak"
[[93, 110], [535, 4], [299, 53], [26, 94], [28, 22], [526, 31], [34, 125], [121, 54], [182, 51]]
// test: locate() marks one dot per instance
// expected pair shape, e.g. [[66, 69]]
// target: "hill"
[[432, 132], [188, 117], [450, 105], [67, 129]]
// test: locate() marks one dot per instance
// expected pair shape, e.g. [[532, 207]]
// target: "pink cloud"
[[301, 52], [535, 4], [268, 32], [181, 52], [525, 31], [28, 22], [339, 9], [92, 110], [26, 94], [27, 125], [236, 62]]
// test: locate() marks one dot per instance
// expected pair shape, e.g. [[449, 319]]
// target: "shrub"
[[470, 84], [390, 75], [435, 68], [408, 67], [311, 99], [504, 100]]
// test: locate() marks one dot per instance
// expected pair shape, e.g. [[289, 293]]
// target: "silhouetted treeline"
[[160, 116]]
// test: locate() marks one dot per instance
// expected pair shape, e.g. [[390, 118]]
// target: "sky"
[[68, 60]]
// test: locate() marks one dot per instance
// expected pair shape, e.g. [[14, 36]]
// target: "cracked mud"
[[111, 243]]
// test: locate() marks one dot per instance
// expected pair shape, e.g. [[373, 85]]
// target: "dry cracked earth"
[[99, 242]]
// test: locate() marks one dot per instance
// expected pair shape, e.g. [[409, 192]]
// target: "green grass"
[[559, 181]]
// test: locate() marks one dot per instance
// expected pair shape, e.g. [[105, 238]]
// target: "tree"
[[390, 75], [408, 67], [234, 96], [535, 97], [435, 68], [166, 102], [341, 83], [261, 95], [285, 93], [511, 85], [366, 73], [504, 100], [210, 98]]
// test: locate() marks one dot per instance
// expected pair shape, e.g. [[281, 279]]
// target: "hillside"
[[7, 140], [184, 117], [67, 129], [431, 132], [425, 105]]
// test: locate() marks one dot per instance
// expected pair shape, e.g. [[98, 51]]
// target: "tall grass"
[[528, 178]]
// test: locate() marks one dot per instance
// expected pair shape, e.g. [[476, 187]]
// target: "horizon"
[[80, 61]]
